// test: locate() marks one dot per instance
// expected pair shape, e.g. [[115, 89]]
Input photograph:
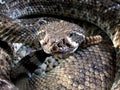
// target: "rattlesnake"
[[60, 8]]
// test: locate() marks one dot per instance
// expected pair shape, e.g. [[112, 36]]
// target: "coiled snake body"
[[91, 67]]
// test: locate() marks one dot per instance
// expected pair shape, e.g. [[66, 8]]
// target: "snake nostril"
[[54, 48], [45, 41]]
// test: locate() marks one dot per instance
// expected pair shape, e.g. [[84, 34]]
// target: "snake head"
[[62, 39]]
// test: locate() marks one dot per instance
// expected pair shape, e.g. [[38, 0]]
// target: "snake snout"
[[64, 45]]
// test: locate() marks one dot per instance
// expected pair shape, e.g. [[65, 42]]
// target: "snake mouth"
[[65, 45]]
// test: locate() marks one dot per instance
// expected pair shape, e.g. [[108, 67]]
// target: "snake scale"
[[88, 68]]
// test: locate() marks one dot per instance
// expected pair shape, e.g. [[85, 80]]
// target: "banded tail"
[[91, 40]]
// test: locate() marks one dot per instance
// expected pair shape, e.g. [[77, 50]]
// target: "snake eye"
[[71, 34], [76, 36]]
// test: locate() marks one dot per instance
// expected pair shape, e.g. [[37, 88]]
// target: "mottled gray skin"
[[12, 31], [89, 68], [102, 13], [5, 67]]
